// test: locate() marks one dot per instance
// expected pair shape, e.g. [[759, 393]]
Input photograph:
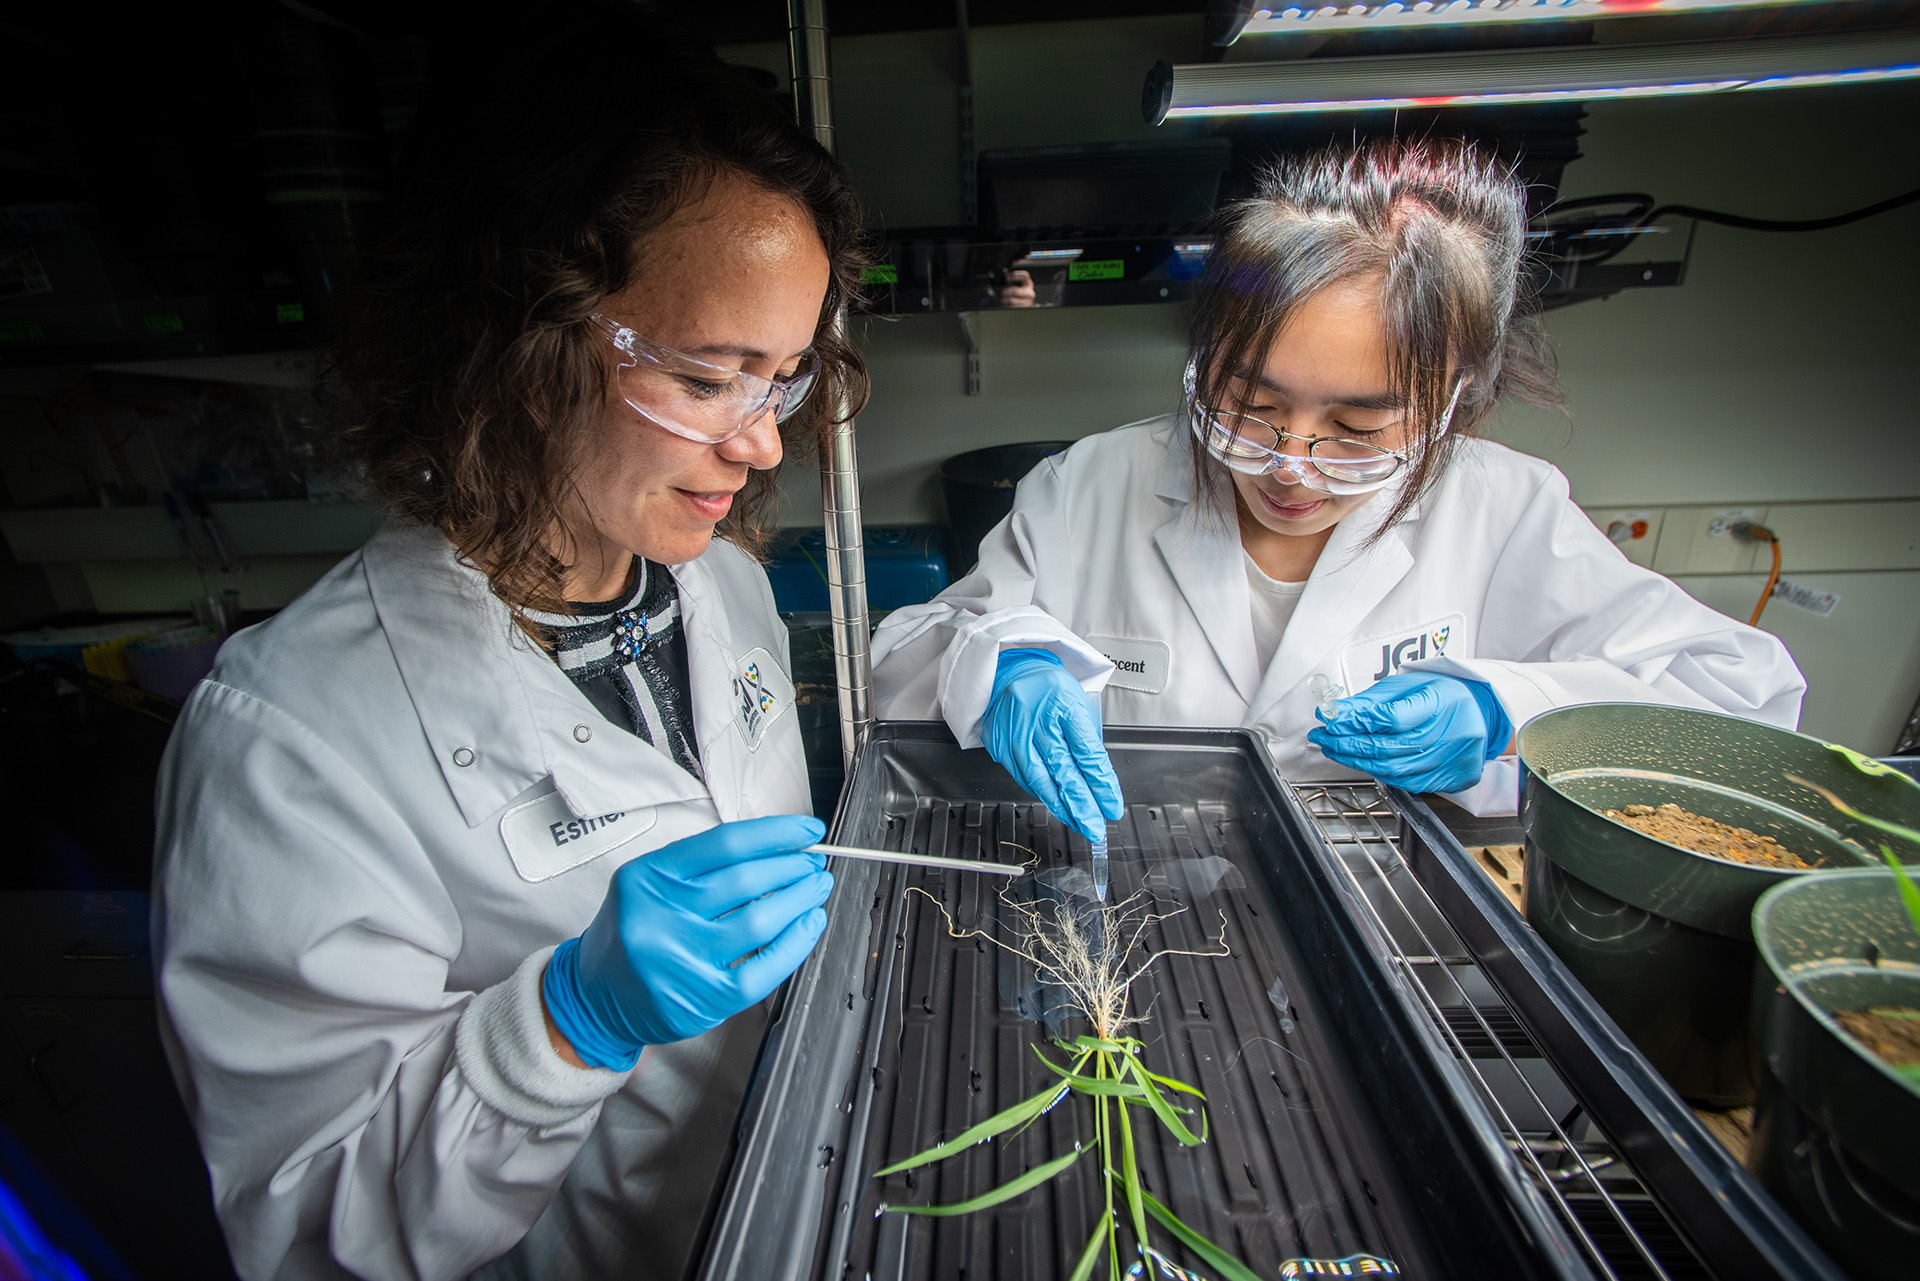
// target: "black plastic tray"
[[1336, 1131]]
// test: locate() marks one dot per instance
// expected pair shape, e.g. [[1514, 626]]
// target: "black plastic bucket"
[[979, 490], [1835, 1130], [1662, 936]]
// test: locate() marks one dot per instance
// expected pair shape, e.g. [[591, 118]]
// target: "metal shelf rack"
[[1634, 1178]]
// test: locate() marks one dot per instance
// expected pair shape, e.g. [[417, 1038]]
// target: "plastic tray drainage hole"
[[973, 1080], [826, 1157]]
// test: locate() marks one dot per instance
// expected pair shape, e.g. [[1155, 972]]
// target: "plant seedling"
[[1085, 952]]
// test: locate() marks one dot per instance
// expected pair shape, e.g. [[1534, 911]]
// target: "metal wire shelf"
[[1580, 1173]]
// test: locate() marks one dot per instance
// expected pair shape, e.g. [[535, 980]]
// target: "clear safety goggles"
[[696, 400], [1331, 465]]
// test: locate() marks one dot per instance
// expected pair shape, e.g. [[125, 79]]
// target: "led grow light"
[[1569, 74], [1433, 13], [1051, 255]]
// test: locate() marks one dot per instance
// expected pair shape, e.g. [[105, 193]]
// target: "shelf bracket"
[[969, 321]]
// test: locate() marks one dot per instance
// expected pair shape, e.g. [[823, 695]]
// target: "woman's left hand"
[[1420, 731]]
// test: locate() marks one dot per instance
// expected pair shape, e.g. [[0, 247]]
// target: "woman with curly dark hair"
[[475, 863], [1318, 545]]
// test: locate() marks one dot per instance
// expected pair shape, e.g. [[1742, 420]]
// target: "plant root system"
[[1094, 952]]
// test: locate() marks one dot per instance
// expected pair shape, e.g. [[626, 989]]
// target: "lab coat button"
[[463, 756], [581, 733]]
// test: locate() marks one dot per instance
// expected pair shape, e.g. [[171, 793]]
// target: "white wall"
[[1782, 371], [1784, 368]]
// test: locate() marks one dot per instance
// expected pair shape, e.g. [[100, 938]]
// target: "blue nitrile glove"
[[658, 962], [1421, 731], [1044, 729]]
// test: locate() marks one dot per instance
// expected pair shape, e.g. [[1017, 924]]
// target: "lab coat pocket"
[[545, 838], [761, 692]]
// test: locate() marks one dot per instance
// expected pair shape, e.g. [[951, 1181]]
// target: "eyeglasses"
[[696, 400], [1332, 464]]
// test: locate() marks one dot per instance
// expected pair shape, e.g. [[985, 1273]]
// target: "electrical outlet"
[[1635, 533], [1699, 540]]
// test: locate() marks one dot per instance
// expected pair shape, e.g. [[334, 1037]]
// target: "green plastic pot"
[[1661, 935], [1836, 1131]]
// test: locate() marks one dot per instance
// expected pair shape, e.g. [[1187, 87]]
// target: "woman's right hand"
[[688, 936], [1042, 727]]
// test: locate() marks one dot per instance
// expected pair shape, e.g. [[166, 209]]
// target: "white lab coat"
[[1495, 575], [376, 818]]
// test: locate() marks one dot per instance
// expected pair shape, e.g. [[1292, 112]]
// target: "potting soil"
[[1706, 836], [1890, 1032]]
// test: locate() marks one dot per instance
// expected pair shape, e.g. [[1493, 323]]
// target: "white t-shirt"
[[1273, 603]]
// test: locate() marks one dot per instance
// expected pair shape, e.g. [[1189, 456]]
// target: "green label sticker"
[[165, 323], [21, 331], [884, 273], [288, 313], [1098, 269], [1867, 765]]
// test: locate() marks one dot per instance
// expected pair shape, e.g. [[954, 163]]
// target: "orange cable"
[[1766, 593]]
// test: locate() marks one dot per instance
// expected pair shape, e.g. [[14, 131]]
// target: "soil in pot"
[[1890, 1033], [1706, 836]]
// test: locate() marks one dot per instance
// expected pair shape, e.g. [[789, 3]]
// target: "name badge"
[[761, 691], [1137, 664], [1364, 662], [545, 838]]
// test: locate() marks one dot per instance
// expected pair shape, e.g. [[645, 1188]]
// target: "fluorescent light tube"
[[1579, 73], [1283, 18]]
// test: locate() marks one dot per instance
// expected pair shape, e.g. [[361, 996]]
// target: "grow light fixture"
[[1581, 73], [1051, 255], [1280, 19]]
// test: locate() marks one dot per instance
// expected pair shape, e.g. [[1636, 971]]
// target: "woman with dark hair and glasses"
[[1319, 520], [475, 863]]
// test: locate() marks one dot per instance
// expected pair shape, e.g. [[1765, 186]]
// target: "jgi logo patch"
[[760, 691], [1379, 657]]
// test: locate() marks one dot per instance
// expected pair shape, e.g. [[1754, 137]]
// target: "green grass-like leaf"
[[1091, 1255], [1834, 800], [1229, 1268], [1091, 1085], [1170, 1083], [1163, 1109], [999, 1123], [1005, 1192], [1102, 1045], [1909, 893], [1130, 1176]]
